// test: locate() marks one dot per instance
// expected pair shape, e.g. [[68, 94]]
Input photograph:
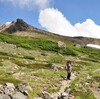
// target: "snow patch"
[[93, 46], [7, 23]]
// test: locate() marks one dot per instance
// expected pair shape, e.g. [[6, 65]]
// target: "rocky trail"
[[62, 94], [64, 84], [96, 92]]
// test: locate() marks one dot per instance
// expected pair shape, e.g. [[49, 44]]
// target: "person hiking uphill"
[[68, 69]]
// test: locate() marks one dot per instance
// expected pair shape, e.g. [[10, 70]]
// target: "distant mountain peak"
[[14, 26]]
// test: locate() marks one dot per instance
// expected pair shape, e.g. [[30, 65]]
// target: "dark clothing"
[[68, 75], [68, 68]]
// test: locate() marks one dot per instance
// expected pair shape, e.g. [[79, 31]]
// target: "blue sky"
[[79, 10], [71, 11], [74, 10]]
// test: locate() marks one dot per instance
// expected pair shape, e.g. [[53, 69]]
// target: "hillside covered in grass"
[[38, 60]]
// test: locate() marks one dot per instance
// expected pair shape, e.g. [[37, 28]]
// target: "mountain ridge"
[[21, 26]]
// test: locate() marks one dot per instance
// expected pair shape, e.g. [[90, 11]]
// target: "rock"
[[23, 87], [26, 93], [54, 67], [64, 95], [19, 95], [71, 97], [46, 95], [9, 89], [77, 45], [68, 91], [61, 44], [28, 88], [1, 89], [9, 85], [4, 96]]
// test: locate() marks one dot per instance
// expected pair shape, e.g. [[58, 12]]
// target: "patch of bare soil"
[[96, 91]]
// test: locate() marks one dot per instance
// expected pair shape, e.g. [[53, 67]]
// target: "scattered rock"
[[26, 93], [9, 91], [9, 85], [61, 44], [46, 95], [63, 95], [24, 87], [71, 97], [77, 45], [55, 67], [4, 96], [19, 95], [68, 90]]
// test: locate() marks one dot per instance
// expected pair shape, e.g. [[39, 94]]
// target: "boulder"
[[19, 95], [9, 89], [63, 95], [4, 96], [10, 85], [24, 87], [61, 44]]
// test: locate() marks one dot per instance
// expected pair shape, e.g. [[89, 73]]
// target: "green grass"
[[6, 77], [92, 53], [57, 59], [84, 62], [78, 87], [35, 43]]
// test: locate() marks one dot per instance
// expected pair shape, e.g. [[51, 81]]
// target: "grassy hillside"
[[35, 43], [31, 60]]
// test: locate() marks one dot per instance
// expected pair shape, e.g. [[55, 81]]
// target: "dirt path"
[[96, 92], [94, 89], [64, 84]]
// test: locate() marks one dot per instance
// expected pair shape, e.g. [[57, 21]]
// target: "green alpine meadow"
[[33, 61]]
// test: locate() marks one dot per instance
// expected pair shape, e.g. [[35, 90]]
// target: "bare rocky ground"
[[96, 91], [64, 83]]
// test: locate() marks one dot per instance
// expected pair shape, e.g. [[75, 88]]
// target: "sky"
[[63, 17]]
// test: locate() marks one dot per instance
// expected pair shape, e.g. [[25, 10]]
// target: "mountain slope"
[[27, 30], [36, 60]]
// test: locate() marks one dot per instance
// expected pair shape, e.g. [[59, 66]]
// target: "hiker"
[[68, 68]]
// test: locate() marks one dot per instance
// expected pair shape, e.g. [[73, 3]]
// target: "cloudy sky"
[[64, 17]]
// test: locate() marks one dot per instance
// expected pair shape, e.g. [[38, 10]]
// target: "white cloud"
[[88, 28], [93, 46], [41, 4], [54, 21]]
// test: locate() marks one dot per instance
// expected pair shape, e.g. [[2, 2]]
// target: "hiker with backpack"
[[68, 69]]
